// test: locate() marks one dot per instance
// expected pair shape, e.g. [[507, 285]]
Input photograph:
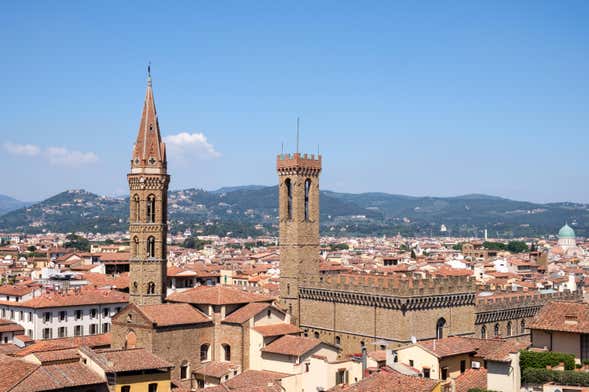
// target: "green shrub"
[[567, 377], [539, 360]]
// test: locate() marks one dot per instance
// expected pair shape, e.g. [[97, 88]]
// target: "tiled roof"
[[292, 345], [15, 290], [84, 297], [217, 369], [471, 379], [68, 354], [8, 349], [102, 340], [217, 295], [120, 281], [173, 314], [245, 313], [254, 378], [277, 329], [449, 346], [13, 371], [388, 381], [127, 360], [10, 326], [58, 377], [562, 316]]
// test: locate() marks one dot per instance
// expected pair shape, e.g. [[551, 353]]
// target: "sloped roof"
[[127, 360], [58, 377], [387, 381], [217, 295], [245, 313], [277, 329], [562, 316], [292, 345], [173, 314]]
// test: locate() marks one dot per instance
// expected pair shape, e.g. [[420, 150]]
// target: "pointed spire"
[[149, 150]]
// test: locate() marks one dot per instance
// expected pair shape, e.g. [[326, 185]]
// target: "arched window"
[[227, 352], [508, 328], [522, 327], [289, 308], [269, 313], [130, 340], [497, 329], [151, 247], [288, 289], [316, 335], [307, 192], [483, 332], [338, 340], [135, 247], [151, 209], [136, 208], [288, 185], [151, 288], [184, 370], [204, 352], [440, 328]]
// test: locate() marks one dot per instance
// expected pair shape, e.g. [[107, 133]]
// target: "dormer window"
[[571, 319]]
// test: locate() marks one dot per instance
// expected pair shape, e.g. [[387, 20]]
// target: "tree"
[[77, 242], [195, 243], [494, 245], [517, 247], [32, 248], [336, 247]]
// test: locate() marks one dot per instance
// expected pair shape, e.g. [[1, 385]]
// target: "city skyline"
[[512, 127]]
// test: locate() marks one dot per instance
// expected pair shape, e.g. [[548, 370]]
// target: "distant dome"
[[566, 232]]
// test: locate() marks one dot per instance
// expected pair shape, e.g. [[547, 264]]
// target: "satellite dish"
[[413, 339]]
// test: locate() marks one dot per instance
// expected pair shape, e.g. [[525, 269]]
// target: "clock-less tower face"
[[148, 210]]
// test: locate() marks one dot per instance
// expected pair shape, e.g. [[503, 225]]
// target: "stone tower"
[[148, 220], [298, 200]]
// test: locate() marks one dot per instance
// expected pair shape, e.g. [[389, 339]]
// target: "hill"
[[8, 204], [252, 210]]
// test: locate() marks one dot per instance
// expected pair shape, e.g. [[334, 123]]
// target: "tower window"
[[151, 209], [497, 329], [151, 247], [483, 332], [288, 185], [307, 192], [135, 247], [522, 327], [150, 288], [227, 352], [136, 208], [509, 329], [440, 328], [204, 352]]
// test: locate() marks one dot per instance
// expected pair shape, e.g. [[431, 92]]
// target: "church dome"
[[566, 232]]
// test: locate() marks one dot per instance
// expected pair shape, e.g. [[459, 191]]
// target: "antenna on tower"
[[149, 71], [282, 148], [298, 122]]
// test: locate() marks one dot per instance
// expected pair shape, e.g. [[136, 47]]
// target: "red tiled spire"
[[149, 150]]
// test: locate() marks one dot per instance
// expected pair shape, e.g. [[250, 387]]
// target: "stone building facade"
[[148, 227]]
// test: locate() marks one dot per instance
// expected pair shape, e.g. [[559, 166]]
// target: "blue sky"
[[422, 98]]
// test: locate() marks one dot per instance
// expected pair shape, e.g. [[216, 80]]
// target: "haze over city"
[[438, 98]]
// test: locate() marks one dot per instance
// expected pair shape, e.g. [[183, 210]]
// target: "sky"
[[429, 98]]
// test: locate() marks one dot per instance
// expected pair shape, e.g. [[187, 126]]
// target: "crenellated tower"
[[298, 190], [148, 218]]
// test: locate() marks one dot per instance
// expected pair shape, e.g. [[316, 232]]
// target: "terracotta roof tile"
[[14, 371], [217, 295], [562, 316], [471, 379], [292, 345], [387, 381], [102, 340], [254, 378], [84, 297], [127, 360], [277, 329], [173, 314], [58, 377], [245, 313], [217, 369]]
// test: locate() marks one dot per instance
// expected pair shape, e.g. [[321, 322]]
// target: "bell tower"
[[298, 190], [148, 218]]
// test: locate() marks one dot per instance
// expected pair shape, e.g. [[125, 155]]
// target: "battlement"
[[396, 285], [289, 163], [506, 301]]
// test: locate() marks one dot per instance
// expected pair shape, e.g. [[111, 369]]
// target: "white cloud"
[[65, 157], [190, 145], [29, 150]]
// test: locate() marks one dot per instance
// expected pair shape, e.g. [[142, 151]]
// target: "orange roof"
[[217, 369], [127, 360], [58, 378], [102, 340], [472, 379], [389, 380], [277, 329], [245, 313], [562, 316], [173, 314], [84, 297], [292, 345], [217, 295]]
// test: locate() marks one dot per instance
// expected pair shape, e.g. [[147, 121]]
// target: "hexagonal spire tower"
[[148, 212]]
